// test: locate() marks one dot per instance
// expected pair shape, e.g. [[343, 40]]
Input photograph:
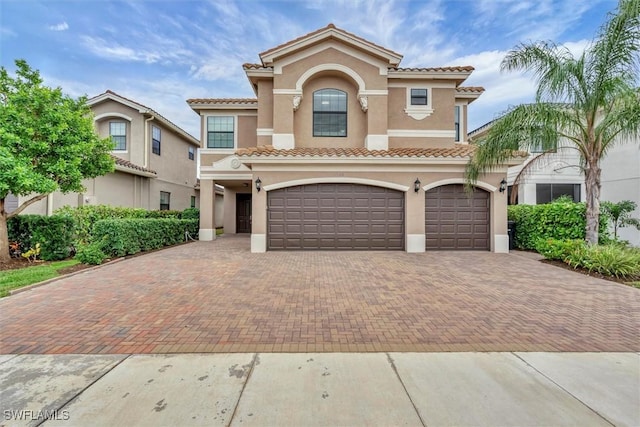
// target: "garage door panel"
[[455, 219], [335, 216]]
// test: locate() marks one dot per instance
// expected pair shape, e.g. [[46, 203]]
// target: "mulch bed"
[[561, 264]]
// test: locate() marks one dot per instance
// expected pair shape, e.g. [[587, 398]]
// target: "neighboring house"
[[343, 149], [621, 181], [156, 162], [551, 176]]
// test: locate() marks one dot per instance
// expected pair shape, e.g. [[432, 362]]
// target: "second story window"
[[155, 140], [220, 132], [457, 121], [419, 97], [192, 153], [329, 112], [118, 134]]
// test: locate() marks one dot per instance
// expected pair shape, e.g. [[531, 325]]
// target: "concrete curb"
[[64, 276]]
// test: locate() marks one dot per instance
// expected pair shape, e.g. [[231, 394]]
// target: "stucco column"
[[258, 217], [207, 210], [377, 118], [500, 242], [414, 208], [283, 137]]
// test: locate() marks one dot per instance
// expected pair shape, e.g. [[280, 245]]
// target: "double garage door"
[[362, 217], [335, 216]]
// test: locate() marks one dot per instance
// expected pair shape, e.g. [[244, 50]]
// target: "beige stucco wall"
[[265, 106], [247, 126], [135, 128]]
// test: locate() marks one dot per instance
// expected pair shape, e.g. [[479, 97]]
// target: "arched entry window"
[[329, 112]]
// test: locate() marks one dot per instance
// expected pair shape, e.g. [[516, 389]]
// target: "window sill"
[[418, 113]]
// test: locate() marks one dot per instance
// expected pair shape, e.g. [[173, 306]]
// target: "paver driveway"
[[218, 297]]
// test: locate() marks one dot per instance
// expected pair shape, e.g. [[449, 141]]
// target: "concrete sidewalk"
[[273, 389]]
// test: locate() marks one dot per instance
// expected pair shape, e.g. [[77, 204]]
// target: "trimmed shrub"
[[85, 216], [91, 254], [558, 249], [54, 233], [191, 213], [130, 236], [559, 220]]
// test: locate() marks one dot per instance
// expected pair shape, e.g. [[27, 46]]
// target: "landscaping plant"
[[620, 215], [47, 143], [589, 100]]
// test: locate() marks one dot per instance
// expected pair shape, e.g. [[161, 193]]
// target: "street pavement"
[[321, 389]]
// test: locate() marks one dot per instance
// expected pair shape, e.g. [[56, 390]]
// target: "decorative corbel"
[[296, 102], [363, 103]]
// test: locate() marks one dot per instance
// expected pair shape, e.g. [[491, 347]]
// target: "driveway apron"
[[218, 297]]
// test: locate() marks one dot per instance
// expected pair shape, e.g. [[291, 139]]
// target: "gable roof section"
[[329, 32], [142, 109]]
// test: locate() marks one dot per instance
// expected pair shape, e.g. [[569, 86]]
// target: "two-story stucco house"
[[156, 161], [343, 149]]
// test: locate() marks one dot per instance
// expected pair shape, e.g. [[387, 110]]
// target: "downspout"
[[49, 204], [146, 141]]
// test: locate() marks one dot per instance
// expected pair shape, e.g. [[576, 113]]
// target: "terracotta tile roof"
[[318, 31], [465, 68], [477, 89], [458, 151], [129, 165], [249, 66], [216, 101]]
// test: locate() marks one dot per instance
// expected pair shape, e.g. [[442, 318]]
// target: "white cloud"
[[63, 26]]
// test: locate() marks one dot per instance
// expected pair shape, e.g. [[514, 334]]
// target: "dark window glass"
[[220, 132], [155, 140], [165, 201], [457, 122], [419, 97], [546, 193], [192, 153], [329, 113], [193, 201], [118, 133]]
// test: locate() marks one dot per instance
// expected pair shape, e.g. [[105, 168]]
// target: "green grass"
[[219, 231], [13, 279], [634, 284]]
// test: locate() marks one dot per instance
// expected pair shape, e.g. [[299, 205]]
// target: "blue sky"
[[162, 52]]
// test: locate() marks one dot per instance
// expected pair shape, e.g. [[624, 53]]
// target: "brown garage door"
[[455, 219], [335, 216]]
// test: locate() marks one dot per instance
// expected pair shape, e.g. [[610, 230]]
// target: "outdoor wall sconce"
[[258, 184], [503, 185], [416, 185]]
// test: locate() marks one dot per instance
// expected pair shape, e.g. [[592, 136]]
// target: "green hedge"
[[119, 237], [560, 220], [54, 233], [85, 217]]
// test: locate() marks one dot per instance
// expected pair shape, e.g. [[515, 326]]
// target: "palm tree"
[[590, 101]]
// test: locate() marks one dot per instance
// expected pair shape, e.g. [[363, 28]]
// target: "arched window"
[[329, 112]]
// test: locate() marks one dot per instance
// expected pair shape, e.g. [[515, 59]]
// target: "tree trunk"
[[4, 238], [592, 189]]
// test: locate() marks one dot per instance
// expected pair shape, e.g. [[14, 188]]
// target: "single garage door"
[[455, 219], [335, 216]]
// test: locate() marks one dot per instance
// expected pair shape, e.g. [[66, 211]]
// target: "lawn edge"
[[53, 279]]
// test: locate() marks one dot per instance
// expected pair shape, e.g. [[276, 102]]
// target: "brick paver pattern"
[[219, 297]]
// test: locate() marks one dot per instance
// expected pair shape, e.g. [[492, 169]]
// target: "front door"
[[243, 213]]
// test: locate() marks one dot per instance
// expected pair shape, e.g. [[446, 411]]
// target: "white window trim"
[[463, 136], [126, 133], [206, 148], [419, 112]]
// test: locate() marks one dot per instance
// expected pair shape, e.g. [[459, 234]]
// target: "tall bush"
[[54, 233], [120, 237], [85, 216], [560, 220]]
